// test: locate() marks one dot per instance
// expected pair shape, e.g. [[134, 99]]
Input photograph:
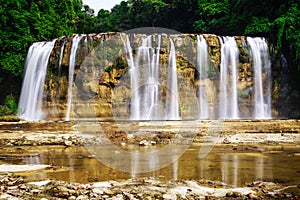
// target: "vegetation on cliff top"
[[24, 22]]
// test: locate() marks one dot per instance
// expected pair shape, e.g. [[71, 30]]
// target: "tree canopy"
[[24, 22]]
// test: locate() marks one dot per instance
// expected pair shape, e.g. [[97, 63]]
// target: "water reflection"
[[134, 163], [234, 166], [175, 169], [230, 169], [35, 159], [259, 168]]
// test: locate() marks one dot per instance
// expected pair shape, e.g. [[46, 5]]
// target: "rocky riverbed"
[[144, 133], [146, 188], [235, 133]]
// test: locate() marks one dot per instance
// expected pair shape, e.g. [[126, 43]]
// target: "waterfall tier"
[[31, 99], [147, 77], [229, 108]]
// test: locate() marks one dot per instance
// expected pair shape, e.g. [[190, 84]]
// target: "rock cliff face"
[[102, 82]]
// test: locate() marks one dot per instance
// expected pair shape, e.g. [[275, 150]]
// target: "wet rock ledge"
[[144, 133]]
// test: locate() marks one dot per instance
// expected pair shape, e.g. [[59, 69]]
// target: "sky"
[[96, 5]]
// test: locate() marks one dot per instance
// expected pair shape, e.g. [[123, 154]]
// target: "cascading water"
[[147, 60], [61, 56], [75, 42], [228, 106], [144, 91], [172, 104], [145, 86], [30, 104], [202, 63], [134, 74], [261, 65]]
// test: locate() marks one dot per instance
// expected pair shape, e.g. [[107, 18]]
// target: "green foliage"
[[11, 103], [258, 26], [85, 22], [10, 106], [212, 14], [4, 111], [12, 63], [107, 68], [120, 63], [292, 30], [24, 22], [279, 25], [277, 20], [174, 14]]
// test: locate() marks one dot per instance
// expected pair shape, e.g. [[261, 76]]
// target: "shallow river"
[[234, 165]]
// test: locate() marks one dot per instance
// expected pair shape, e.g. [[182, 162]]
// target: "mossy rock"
[[10, 118]]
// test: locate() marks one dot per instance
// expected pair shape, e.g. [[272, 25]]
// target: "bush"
[[11, 104], [4, 110]]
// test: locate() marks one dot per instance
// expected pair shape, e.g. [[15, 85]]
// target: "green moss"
[[245, 92], [9, 118], [180, 63], [107, 68], [120, 63]]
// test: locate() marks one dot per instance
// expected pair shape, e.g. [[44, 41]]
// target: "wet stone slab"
[[103, 132]]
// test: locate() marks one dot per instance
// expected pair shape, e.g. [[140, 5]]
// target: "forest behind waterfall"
[[24, 22]]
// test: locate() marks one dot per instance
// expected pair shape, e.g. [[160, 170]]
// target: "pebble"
[[68, 143], [146, 143], [7, 196], [169, 196], [82, 197], [102, 184], [130, 136], [35, 191], [97, 191]]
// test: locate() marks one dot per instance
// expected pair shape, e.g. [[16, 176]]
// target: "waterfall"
[[134, 74], [30, 103], [144, 91], [160, 66], [61, 56], [228, 106], [202, 63], [151, 98], [147, 61], [261, 68], [172, 104], [144, 69], [75, 42]]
